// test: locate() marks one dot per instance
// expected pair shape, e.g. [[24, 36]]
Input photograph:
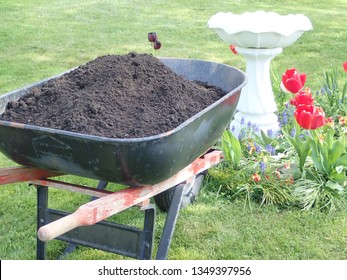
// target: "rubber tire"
[[163, 200]]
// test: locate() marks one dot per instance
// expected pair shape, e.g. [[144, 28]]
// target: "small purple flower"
[[242, 121], [233, 128], [257, 148], [249, 147], [262, 167], [270, 149], [293, 132], [270, 133], [284, 118], [249, 124], [242, 135], [279, 117], [255, 127]]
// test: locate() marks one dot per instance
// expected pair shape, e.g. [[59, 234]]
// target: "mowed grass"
[[42, 38]]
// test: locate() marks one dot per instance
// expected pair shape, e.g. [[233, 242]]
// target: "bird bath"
[[259, 37]]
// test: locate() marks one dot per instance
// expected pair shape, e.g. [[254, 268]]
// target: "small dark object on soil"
[[116, 96]]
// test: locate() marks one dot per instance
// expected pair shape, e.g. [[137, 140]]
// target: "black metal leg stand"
[[112, 237], [106, 236], [42, 204], [72, 246], [147, 237], [170, 223]]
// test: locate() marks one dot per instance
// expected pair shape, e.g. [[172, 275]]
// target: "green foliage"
[[332, 97], [322, 153], [317, 193], [316, 158], [231, 147], [253, 172], [301, 147], [323, 183], [328, 155]]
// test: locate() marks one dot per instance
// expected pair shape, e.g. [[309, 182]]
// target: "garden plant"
[[305, 163]]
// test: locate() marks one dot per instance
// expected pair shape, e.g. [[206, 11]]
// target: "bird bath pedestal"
[[259, 37], [257, 103]]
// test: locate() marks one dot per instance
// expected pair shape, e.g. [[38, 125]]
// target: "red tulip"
[[293, 81], [303, 98], [345, 66], [233, 49], [309, 116]]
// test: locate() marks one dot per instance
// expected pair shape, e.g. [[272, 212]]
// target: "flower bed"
[[305, 164]]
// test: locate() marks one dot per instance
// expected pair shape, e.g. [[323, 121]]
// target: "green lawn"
[[41, 38]]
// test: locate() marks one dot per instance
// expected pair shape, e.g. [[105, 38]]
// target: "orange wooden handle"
[[58, 227], [9, 175]]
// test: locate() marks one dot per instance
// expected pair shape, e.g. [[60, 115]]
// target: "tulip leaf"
[[334, 186], [342, 161], [231, 148], [323, 152], [344, 91], [329, 136], [335, 152], [303, 155], [316, 157], [339, 169], [325, 163], [338, 177], [338, 174], [265, 138], [301, 148]]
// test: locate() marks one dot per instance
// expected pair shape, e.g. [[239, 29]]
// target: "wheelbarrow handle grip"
[[58, 227]]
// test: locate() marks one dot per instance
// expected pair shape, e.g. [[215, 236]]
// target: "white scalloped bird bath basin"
[[260, 29], [259, 37]]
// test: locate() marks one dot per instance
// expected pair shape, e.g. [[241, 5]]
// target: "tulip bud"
[[152, 37], [157, 45]]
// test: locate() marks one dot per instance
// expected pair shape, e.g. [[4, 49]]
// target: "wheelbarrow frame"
[[149, 165], [108, 204]]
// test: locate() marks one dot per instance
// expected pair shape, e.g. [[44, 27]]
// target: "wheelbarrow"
[[168, 167]]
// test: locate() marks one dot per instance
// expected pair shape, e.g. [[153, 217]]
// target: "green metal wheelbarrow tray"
[[133, 161]]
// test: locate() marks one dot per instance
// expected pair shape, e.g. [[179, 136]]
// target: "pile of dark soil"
[[124, 96]]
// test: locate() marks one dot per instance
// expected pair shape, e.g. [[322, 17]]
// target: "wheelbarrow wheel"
[[191, 190]]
